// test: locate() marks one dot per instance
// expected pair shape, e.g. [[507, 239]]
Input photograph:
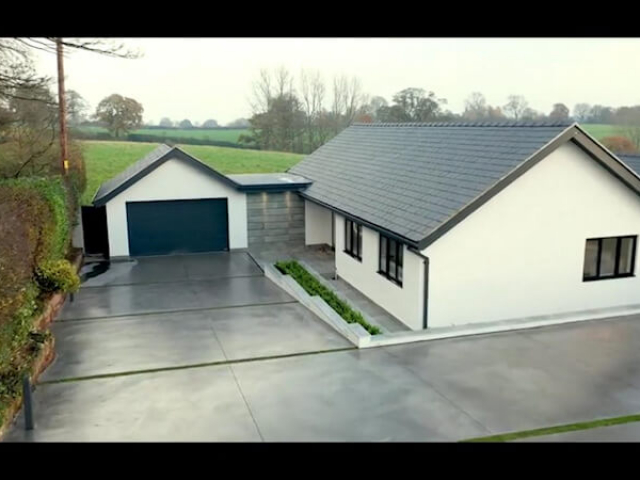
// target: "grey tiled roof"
[[632, 161], [131, 171], [410, 178]]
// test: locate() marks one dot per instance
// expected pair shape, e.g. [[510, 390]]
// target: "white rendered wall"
[[521, 254], [175, 180], [406, 302], [317, 224]]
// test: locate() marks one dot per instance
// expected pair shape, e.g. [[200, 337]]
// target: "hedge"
[[35, 229], [313, 287], [145, 137]]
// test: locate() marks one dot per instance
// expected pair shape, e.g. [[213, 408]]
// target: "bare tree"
[[475, 107], [17, 74], [516, 105], [347, 100], [313, 92], [102, 46], [582, 112], [30, 134]]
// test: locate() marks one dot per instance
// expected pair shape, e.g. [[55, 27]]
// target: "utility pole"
[[62, 110]]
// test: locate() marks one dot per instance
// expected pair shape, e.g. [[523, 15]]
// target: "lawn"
[[104, 160], [230, 135], [599, 131]]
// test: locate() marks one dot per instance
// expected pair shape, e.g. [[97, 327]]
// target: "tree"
[[29, 134], [619, 144], [475, 107], [186, 123], [418, 105], [582, 112], [531, 114], [515, 106], [413, 105], [166, 122], [313, 95], [347, 100], [211, 123], [495, 113], [77, 108], [278, 118], [375, 104], [629, 120], [601, 114], [559, 112], [119, 114], [239, 123], [393, 114], [18, 78]]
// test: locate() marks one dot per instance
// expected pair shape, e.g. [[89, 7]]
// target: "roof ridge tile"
[[464, 124]]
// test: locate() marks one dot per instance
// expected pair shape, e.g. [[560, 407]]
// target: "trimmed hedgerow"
[[313, 287], [35, 234]]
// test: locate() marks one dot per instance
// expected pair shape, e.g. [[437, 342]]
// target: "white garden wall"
[[404, 302], [175, 180], [521, 254], [317, 224]]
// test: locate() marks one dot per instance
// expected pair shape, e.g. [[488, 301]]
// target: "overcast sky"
[[211, 77]]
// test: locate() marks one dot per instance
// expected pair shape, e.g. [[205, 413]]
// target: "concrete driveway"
[[161, 350]]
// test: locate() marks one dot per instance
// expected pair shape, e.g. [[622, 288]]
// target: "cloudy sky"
[[201, 78]]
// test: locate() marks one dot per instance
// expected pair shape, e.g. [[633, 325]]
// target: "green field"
[[216, 135], [104, 160], [599, 131]]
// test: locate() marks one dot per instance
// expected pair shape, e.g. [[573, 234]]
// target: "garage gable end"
[[148, 164]]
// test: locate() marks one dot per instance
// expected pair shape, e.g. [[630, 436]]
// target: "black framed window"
[[610, 257], [391, 259], [353, 239]]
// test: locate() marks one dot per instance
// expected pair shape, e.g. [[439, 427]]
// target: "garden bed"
[[313, 287], [39, 352]]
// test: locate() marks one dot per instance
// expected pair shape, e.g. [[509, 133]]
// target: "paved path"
[[150, 316]]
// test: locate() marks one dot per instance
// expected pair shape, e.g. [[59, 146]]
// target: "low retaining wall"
[[362, 339], [354, 332]]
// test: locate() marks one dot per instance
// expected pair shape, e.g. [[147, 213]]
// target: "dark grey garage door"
[[177, 226]]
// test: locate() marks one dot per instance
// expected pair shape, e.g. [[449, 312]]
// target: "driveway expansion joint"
[[192, 366], [160, 312]]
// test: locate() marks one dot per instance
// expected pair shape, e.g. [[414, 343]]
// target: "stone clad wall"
[[275, 218]]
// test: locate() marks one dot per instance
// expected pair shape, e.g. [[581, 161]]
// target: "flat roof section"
[[263, 182]]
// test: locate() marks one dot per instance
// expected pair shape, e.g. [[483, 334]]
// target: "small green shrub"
[[313, 287], [57, 276]]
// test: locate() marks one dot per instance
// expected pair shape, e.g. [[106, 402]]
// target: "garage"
[[171, 203], [177, 227]]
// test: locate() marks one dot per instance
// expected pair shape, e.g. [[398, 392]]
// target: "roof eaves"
[[580, 140], [362, 221], [174, 152]]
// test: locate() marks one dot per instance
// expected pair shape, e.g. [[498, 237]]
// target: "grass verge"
[[313, 287], [571, 427]]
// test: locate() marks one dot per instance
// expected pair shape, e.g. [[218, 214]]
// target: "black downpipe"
[[425, 293]]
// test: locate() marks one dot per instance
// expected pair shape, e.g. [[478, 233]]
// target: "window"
[[391, 259], [353, 239], [611, 257]]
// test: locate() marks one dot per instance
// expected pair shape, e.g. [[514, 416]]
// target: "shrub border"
[[47, 354], [313, 287]]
